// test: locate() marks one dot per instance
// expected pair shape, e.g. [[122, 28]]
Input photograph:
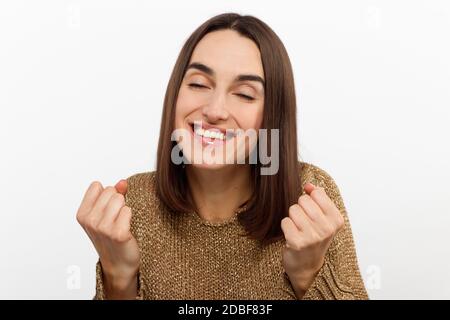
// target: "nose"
[[216, 109]]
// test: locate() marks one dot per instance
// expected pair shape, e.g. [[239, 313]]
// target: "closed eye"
[[246, 97], [196, 85], [200, 86]]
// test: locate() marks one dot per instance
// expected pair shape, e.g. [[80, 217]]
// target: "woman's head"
[[232, 73], [222, 90]]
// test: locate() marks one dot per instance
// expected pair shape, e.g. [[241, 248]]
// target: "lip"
[[209, 141], [208, 126]]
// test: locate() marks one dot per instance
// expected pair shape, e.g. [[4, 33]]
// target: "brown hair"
[[272, 194]]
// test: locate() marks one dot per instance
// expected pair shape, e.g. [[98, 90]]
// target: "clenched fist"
[[106, 220], [311, 226]]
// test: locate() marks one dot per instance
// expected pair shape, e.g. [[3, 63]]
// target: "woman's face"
[[222, 90]]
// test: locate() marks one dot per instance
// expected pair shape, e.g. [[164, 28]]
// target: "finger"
[[328, 207], [300, 219], [111, 211], [103, 199], [311, 208], [122, 186], [97, 211], [122, 225], [293, 236], [323, 201], [89, 199], [309, 187]]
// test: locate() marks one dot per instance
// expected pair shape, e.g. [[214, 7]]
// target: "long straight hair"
[[272, 194]]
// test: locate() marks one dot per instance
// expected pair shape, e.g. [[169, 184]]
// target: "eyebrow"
[[210, 72]]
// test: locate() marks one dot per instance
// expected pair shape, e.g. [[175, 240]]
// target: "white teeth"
[[199, 131], [209, 134]]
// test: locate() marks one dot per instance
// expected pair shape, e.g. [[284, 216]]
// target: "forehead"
[[228, 53]]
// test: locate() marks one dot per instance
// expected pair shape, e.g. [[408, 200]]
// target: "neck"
[[218, 193]]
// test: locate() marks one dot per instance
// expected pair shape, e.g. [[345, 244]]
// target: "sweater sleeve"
[[99, 287], [340, 277]]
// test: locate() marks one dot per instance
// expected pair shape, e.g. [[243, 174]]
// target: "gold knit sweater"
[[186, 257]]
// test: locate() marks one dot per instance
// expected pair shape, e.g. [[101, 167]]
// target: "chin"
[[205, 166]]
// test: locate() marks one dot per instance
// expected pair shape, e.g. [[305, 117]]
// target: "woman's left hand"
[[311, 226]]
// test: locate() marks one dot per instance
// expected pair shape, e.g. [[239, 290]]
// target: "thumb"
[[122, 186], [309, 187]]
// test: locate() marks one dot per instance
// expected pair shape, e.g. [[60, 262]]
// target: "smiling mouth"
[[211, 133]]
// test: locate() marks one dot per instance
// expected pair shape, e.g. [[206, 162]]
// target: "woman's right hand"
[[106, 220]]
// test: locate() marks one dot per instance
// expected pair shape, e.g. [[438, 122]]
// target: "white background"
[[81, 91]]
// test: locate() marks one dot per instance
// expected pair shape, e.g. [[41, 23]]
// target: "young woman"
[[220, 226]]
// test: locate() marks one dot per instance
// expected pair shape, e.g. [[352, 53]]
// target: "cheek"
[[186, 104], [189, 100], [251, 118], [259, 117]]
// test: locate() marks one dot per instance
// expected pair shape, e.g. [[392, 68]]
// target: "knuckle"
[[115, 237], [285, 226], [92, 223], [109, 189], [126, 210], [296, 244], [318, 192], [303, 199], [292, 215], [316, 238], [103, 229], [330, 226], [95, 186], [327, 231], [294, 210], [80, 219], [118, 197]]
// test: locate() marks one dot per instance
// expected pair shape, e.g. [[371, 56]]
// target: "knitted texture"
[[186, 257]]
